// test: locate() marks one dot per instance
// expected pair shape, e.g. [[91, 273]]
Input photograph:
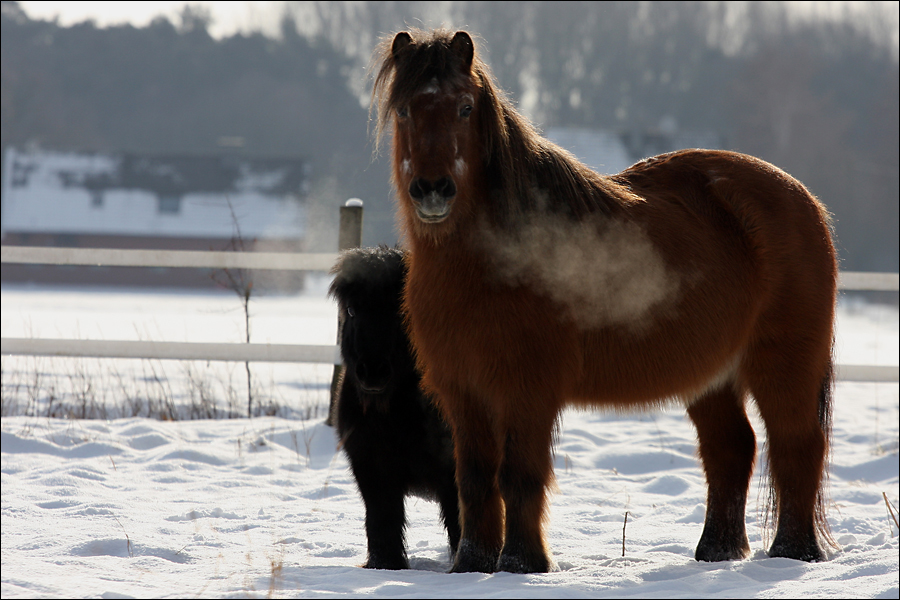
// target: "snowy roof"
[[602, 151], [129, 194], [609, 153]]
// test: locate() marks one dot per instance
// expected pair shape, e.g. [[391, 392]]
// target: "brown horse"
[[698, 277]]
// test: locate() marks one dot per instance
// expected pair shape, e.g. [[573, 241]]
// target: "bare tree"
[[240, 281]]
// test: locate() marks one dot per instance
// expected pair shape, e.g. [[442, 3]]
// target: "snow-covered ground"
[[138, 507]]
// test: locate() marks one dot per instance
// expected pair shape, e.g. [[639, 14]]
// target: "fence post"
[[349, 236]]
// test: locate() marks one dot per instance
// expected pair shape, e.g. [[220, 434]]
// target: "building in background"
[[602, 151], [609, 153], [92, 200]]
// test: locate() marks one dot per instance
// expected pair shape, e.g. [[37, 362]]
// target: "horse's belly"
[[678, 355], [639, 378], [506, 357]]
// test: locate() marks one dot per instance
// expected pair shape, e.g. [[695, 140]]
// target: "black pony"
[[395, 439]]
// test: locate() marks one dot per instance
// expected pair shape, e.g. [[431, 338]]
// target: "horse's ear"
[[463, 46], [401, 41]]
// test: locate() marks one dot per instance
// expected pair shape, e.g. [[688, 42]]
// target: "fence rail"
[[286, 261], [849, 280], [172, 350], [874, 282], [109, 257]]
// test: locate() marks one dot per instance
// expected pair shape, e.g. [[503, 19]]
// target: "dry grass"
[[82, 388]]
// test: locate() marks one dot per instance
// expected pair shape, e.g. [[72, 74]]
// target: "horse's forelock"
[[408, 66]]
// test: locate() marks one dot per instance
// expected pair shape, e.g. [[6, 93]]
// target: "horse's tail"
[[826, 393]]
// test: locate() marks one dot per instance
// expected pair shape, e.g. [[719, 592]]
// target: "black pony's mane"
[[367, 272], [525, 171]]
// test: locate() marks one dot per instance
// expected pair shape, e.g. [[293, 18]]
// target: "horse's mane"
[[525, 171]]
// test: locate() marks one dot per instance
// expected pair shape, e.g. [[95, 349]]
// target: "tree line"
[[819, 98]]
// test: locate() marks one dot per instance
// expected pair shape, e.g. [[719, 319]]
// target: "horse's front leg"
[[478, 452], [526, 473]]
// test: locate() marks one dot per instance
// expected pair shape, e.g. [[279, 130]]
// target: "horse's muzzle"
[[432, 199]]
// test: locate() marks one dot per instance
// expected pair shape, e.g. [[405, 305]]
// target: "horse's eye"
[[465, 111], [403, 112], [351, 312]]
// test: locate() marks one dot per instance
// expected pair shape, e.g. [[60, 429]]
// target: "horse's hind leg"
[[790, 400], [728, 450]]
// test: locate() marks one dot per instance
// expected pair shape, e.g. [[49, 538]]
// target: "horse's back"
[[720, 201], [746, 260]]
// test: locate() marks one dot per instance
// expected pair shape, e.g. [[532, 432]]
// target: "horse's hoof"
[[471, 559], [388, 564], [709, 552], [806, 551], [516, 563]]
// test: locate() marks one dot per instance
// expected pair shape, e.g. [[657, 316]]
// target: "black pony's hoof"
[[471, 559]]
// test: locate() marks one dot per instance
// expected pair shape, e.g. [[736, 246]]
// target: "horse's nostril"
[[418, 188], [445, 187]]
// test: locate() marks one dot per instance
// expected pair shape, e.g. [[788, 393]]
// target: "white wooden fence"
[[277, 352]]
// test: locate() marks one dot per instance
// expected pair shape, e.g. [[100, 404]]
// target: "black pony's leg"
[[385, 518], [728, 451]]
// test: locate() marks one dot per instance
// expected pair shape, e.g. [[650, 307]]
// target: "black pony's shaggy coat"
[[394, 437]]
